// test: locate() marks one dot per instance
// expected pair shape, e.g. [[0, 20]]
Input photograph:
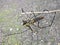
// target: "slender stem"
[[42, 12]]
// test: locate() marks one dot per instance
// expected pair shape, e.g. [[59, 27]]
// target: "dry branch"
[[42, 12]]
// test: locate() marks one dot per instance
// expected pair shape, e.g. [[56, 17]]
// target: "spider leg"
[[22, 10], [51, 22], [45, 10], [30, 27], [38, 23], [35, 17], [33, 14], [26, 18]]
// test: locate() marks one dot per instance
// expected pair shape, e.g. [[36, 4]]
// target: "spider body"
[[29, 22], [32, 21]]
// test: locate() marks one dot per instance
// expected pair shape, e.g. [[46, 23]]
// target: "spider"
[[29, 22]]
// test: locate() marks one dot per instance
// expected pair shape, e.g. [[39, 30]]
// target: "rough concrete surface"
[[12, 32]]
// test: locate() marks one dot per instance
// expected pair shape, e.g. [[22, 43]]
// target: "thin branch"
[[42, 12]]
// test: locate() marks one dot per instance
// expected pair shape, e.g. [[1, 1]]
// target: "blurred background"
[[12, 32]]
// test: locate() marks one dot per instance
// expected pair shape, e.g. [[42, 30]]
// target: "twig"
[[42, 12]]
